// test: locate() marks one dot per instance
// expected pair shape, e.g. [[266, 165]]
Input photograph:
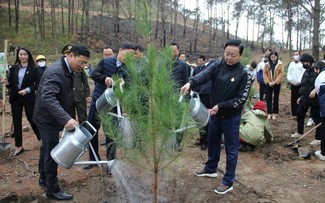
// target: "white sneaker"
[[319, 155], [315, 142], [310, 122], [296, 135]]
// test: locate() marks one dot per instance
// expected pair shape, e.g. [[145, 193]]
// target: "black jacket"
[[307, 85], [180, 72], [31, 80], [205, 88], [230, 86], [54, 97], [106, 68]]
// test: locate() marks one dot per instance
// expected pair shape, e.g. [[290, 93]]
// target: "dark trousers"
[[294, 98], [17, 114], [272, 99], [229, 127], [47, 166], [314, 114], [81, 110], [322, 143], [94, 120], [205, 99], [262, 91]]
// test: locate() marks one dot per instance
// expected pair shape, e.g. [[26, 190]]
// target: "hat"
[[66, 48], [307, 58], [260, 105], [40, 57]]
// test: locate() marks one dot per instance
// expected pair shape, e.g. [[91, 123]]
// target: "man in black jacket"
[[54, 111], [102, 75], [180, 68], [204, 93], [229, 91]]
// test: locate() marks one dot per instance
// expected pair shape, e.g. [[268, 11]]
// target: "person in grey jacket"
[[229, 92], [54, 111]]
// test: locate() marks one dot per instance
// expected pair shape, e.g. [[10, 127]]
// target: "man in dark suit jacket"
[[54, 111], [204, 91], [180, 68], [102, 75], [81, 90]]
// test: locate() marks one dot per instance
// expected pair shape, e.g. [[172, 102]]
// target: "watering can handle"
[[89, 125], [120, 84], [196, 94], [180, 98], [65, 131], [119, 112]]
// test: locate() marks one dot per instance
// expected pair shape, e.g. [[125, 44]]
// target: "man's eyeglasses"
[[81, 62]]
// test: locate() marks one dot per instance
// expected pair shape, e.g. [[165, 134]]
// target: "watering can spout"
[[110, 165]]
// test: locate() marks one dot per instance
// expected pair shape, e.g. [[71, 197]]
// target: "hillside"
[[103, 34]]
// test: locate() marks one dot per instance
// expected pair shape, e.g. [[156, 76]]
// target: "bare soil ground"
[[271, 173]]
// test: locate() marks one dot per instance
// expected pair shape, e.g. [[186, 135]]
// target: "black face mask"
[[305, 66]]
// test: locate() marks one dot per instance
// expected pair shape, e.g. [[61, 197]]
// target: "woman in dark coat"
[[23, 81]]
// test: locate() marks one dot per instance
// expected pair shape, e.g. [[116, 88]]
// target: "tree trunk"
[[210, 27], [163, 23], [247, 24], [42, 21], [228, 21], [69, 17], [297, 30], [101, 15], [315, 46], [175, 19], [54, 33], [253, 39], [62, 16], [16, 15], [157, 20], [34, 24], [9, 13], [72, 17], [289, 40]]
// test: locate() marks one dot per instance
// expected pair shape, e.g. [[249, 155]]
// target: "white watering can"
[[198, 112], [73, 145], [108, 100]]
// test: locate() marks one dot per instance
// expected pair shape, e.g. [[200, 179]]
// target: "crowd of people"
[[59, 96]]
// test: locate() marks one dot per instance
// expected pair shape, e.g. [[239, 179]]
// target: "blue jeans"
[[230, 128]]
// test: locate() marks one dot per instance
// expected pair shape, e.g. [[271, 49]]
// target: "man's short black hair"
[[107, 47], [78, 50], [202, 57], [236, 43], [296, 51], [127, 45], [139, 47], [174, 44], [319, 65], [253, 64]]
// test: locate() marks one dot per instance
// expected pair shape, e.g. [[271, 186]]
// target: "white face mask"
[[296, 57], [41, 64]]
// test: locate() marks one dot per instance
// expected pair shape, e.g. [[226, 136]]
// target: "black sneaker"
[[206, 174], [223, 189], [42, 183]]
